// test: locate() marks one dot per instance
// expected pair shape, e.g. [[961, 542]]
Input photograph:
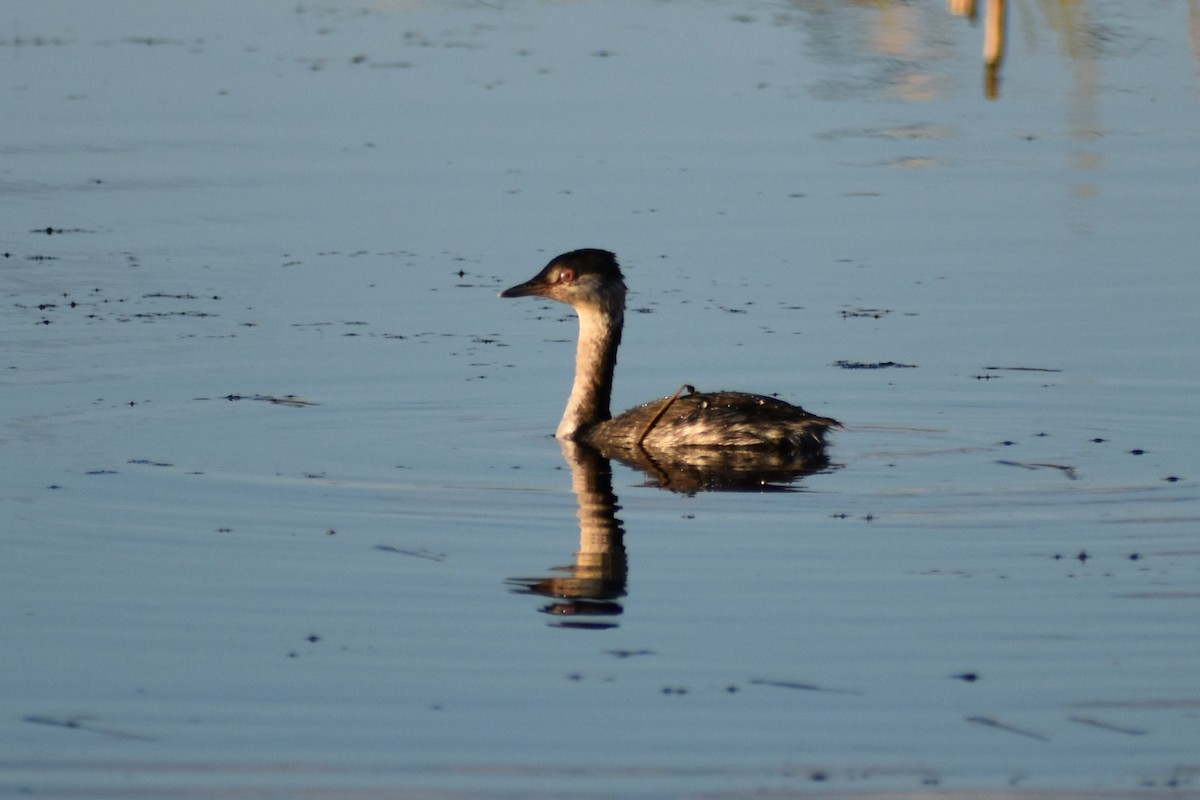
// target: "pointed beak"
[[529, 288]]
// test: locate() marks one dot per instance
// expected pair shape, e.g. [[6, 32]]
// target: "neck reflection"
[[586, 594]]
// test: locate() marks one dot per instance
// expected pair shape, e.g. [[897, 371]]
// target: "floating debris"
[[50, 230], [1108, 726], [289, 400], [873, 365], [422, 553], [1001, 726], [629, 653], [1070, 472], [82, 724], [806, 687]]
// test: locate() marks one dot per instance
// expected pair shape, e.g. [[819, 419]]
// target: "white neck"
[[595, 359]]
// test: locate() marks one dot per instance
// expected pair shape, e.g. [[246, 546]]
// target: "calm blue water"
[[274, 449]]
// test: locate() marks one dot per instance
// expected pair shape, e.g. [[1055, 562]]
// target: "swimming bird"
[[591, 282]]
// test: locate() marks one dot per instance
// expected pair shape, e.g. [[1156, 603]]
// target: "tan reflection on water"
[[995, 28], [994, 22], [895, 32]]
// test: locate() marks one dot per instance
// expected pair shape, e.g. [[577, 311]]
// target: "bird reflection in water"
[[716, 469], [587, 594]]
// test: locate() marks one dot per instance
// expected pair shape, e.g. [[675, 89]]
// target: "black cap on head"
[[588, 260]]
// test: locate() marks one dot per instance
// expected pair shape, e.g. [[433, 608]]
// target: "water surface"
[[275, 452]]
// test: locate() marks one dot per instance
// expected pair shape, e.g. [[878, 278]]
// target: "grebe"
[[590, 281]]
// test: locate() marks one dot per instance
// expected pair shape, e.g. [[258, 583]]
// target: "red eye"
[[566, 275]]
